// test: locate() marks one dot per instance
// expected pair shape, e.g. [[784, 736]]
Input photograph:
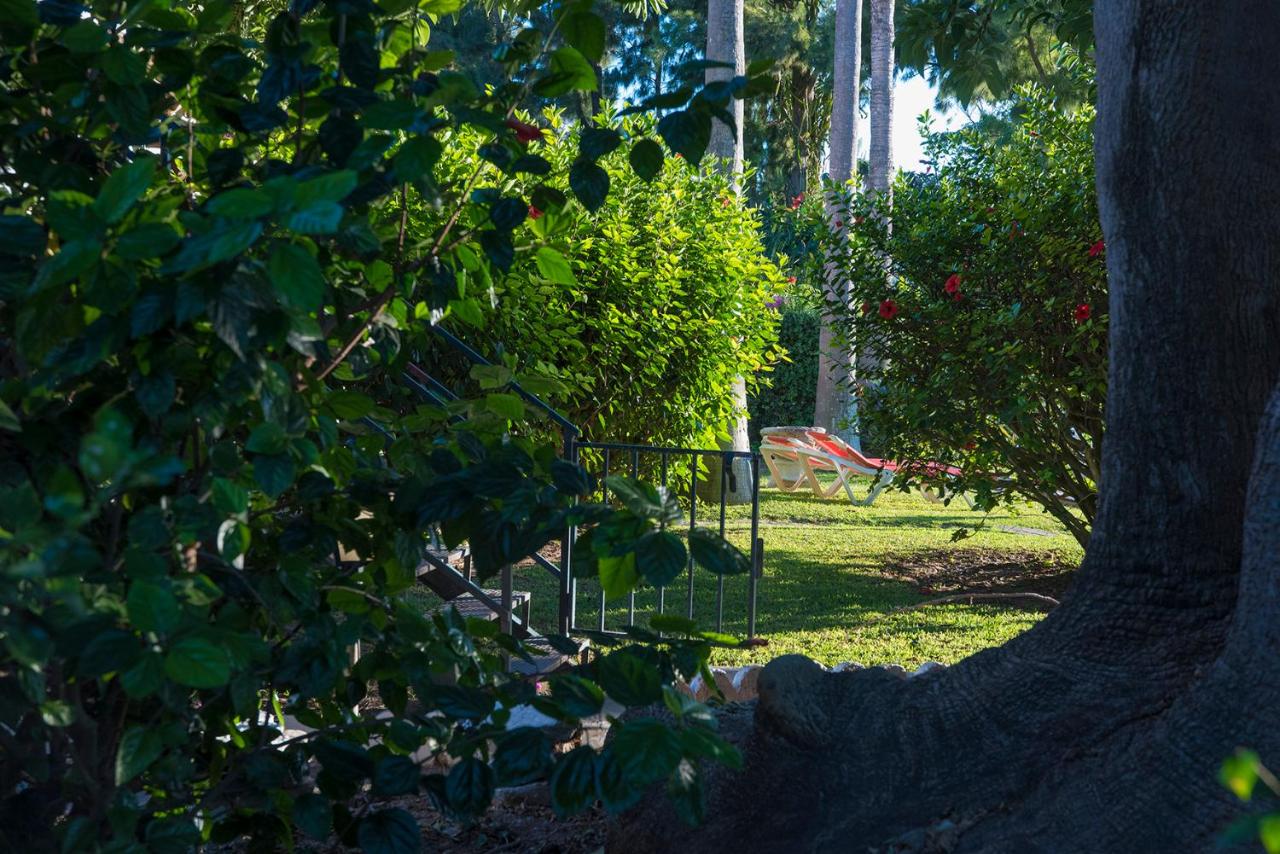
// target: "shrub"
[[788, 398], [645, 309], [990, 328], [207, 293]]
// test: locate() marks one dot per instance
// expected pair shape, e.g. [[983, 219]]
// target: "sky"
[[911, 97]]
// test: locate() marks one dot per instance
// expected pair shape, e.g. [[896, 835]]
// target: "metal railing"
[[632, 455], [567, 611]]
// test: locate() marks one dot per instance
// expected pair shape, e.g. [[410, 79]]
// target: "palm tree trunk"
[[833, 401], [725, 43], [881, 149]]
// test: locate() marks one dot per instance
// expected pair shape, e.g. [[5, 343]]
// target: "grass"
[[823, 593]]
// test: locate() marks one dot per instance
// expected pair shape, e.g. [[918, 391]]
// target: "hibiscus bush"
[[643, 310], [981, 297], [213, 483]]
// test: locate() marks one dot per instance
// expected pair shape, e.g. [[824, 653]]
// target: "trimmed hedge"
[[789, 397]]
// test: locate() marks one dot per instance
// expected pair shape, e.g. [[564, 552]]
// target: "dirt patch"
[[946, 572], [514, 826]]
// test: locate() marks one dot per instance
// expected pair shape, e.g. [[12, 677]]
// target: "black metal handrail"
[[567, 612], [727, 486]]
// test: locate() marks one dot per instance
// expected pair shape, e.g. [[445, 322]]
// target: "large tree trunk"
[[880, 151], [1100, 730], [725, 44], [833, 401]]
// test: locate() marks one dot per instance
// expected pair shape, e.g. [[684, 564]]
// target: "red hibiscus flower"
[[791, 280], [525, 133], [953, 283], [970, 446], [1097, 249], [888, 309], [534, 213], [724, 203], [1083, 312]]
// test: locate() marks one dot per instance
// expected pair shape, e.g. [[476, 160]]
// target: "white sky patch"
[[912, 97]]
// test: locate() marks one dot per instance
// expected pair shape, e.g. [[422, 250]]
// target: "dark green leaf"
[[630, 677], [139, 747], [570, 71], [148, 240], [109, 652], [469, 787], [152, 607], [571, 479], [392, 831], [716, 554], [648, 749], [589, 182], [155, 393], [573, 782], [297, 276], [74, 259], [585, 32], [523, 755], [688, 133], [508, 212], [395, 775], [313, 815], [416, 158], [197, 663], [596, 142], [618, 574], [646, 159], [274, 473], [578, 697], [124, 187], [20, 235], [660, 557]]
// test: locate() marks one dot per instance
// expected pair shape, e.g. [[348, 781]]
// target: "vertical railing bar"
[[693, 520], [726, 462], [568, 584], [631, 597], [662, 591], [757, 548], [604, 498], [504, 619]]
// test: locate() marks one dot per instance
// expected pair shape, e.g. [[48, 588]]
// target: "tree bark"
[[1100, 729], [880, 151], [833, 400], [725, 43]]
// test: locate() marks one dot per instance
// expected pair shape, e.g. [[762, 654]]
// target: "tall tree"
[[725, 44], [1103, 727], [880, 153], [832, 402]]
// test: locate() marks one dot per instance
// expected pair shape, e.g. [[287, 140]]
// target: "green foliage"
[[645, 310], [789, 397], [983, 51], [213, 482], [1246, 777], [989, 331]]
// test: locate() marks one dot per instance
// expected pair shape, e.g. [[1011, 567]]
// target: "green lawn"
[[823, 593]]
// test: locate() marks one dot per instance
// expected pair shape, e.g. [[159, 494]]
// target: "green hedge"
[[789, 398]]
